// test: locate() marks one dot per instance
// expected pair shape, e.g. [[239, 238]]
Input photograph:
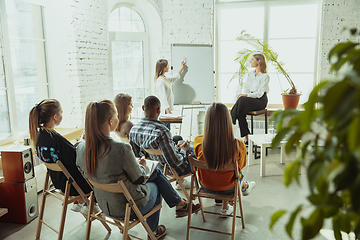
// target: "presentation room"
[[169, 119]]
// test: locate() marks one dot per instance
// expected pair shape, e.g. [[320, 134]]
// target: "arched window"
[[128, 54]]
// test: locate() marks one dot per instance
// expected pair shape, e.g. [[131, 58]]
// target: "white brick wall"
[[167, 22], [185, 21], [337, 14], [90, 38]]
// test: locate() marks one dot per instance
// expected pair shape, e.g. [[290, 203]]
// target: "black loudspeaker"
[[21, 201], [17, 164]]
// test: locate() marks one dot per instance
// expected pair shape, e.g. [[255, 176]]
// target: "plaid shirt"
[[151, 133]]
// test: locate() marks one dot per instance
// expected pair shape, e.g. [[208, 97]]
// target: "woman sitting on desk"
[[254, 95], [124, 107], [218, 147], [163, 85], [104, 160]]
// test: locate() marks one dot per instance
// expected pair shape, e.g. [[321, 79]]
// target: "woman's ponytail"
[[97, 113]]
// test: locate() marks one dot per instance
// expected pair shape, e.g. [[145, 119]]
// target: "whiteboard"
[[196, 84]]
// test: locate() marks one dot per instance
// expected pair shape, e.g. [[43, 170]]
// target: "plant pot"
[[290, 100]]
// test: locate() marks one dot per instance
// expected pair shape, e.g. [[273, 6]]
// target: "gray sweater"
[[118, 164]]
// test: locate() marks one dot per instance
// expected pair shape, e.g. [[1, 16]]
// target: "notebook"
[[150, 168]]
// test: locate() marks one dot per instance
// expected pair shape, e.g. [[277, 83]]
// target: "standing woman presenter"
[[163, 85], [254, 96]]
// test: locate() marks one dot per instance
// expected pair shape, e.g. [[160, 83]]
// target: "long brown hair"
[[260, 57], [122, 101], [160, 67], [41, 114], [97, 113], [219, 144]]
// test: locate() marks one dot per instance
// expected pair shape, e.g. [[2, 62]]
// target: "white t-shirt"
[[164, 91]]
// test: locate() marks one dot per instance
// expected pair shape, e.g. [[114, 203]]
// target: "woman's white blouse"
[[256, 86], [164, 91]]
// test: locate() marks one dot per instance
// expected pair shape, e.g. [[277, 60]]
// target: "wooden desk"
[[171, 120], [3, 211]]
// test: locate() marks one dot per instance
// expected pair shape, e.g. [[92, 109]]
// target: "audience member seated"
[[123, 104], [51, 146], [218, 147], [153, 134], [104, 160]]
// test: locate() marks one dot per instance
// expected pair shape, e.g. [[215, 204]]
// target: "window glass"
[[27, 50], [128, 69], [125, 19], [289, 28], [4, 113], [299, 21]]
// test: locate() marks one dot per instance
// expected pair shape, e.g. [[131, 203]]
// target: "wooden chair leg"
[[234, 214], [126, 222], [63, 215], [189, 215], [241, 208], [200, 201], [42, 208], [89, 220]]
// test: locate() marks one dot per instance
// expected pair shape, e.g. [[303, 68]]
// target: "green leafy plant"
[[331, 153], [244, 56]]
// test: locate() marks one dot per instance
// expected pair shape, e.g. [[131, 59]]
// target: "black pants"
[[244, 105]]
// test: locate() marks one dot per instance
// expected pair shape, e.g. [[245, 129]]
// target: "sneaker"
[[186, 184], [218, 202], [182, 211], [160, 232], [227, 212], [250, 186], [76, 207], [85, 209]]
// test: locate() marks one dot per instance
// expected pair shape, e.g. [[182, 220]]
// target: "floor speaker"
[[21, 201], [17, 163]]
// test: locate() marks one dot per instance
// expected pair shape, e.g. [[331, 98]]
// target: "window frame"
[[131, 36], [267, 4], [15, 134]]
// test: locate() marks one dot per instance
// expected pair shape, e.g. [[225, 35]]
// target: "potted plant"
[[290, 96], [331, 150]]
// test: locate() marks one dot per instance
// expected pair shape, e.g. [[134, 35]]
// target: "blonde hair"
[[160, 66], [41, 114], [122, 101], [97, 113], [260, 57], [219, 143]]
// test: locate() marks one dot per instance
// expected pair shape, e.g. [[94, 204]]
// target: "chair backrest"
[[156, 152], [58, 166], [53, 166], [199, 164], [118, 187]]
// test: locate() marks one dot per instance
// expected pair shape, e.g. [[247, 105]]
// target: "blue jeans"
[[159, 185], [154, 199], [170, 196]]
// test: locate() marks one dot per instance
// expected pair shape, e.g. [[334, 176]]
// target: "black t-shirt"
[[50, 147]]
